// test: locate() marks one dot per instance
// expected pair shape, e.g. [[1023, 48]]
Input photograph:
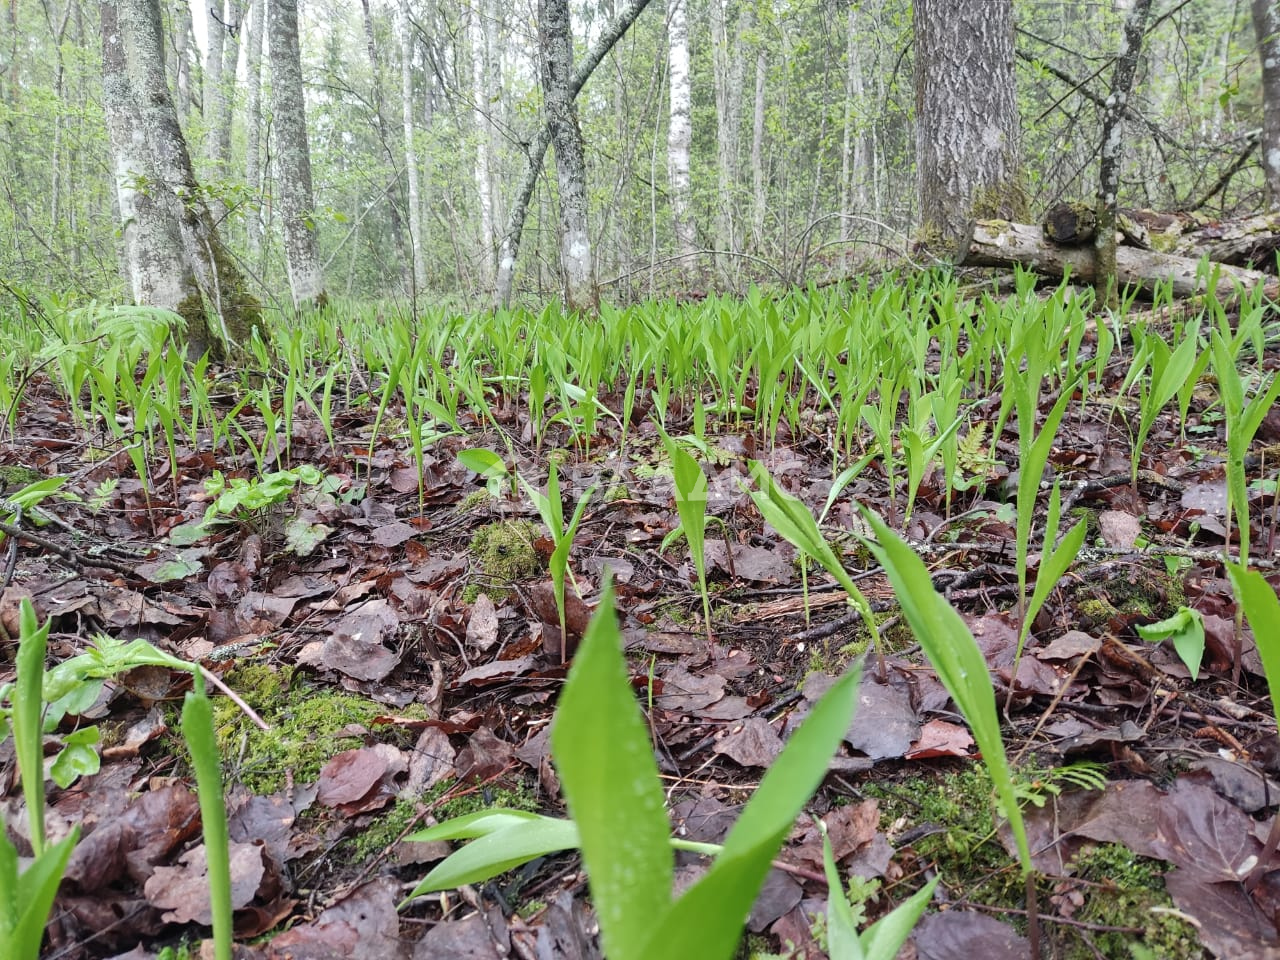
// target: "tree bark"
[[1266, 25], [727, 71], [556, 48], [253, 124], [394, 197], [999, 243], [510, 246], [968, 134], [156, 271], [1112, 151], [223, 52], [680, 128], [221, 283], [293, 157], [186, 71], [485, 88], [853, 150], [758, 196], [410, 148]]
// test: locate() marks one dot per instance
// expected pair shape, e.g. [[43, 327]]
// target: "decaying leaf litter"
[[395, 624]]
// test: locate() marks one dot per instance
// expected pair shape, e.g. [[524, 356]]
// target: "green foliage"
[[601, 747], [1186, 629]]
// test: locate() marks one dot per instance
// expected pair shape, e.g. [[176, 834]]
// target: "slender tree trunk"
[[968, 134], [253, 125], [221, 282], [156, 271], [221, 59], [293, 156], [1135, 25], [394, 197], [680, 129], [728, 70], [1266, 25], [186, 69], [410, 148], [510, 247], [556, 47], [853, 151], [757, 151], [484, 92]]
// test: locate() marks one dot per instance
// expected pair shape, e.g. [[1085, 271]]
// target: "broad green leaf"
[[28, 704], [1262, 607], [497, 852], [481, 461], [706, 923], [956, 659], [302, 536], [77, 758], [601, 748], [478, 824], [1186, 629], [177, 569]]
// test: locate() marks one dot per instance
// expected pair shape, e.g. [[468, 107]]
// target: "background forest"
[[799, 161]]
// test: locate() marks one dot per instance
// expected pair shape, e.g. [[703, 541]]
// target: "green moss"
[[384, 830], [309, 726], [504, 553], [14, 477], [1127, 889], [513, 795], [474, 500]]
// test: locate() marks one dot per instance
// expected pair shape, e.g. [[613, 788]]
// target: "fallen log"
[[1240, 241], [1000, 243]]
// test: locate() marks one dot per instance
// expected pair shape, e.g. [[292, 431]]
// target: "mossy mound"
[[503, 552]]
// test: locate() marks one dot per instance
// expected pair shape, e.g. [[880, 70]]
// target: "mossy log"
[[1001, 243]]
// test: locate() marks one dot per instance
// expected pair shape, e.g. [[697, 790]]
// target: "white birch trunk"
[[410, 148], [556, 45], [176, 189], [728, 70], [757, 151], [680, 128], [253, 124], [537, 150], [187, 73], [293, 156], [158, 275], [484, 90]]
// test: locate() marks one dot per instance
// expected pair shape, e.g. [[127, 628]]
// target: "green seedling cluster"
[[36, 702]]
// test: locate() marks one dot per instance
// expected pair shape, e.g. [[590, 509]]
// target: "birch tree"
[[680, 126], [1112, 152], [221, 284], [410, 148], [157, 273], [968, 133], [509, 248], [293, 156], [728, 69], [485, 90], [556, 47], [1266, 26], [253, 123]]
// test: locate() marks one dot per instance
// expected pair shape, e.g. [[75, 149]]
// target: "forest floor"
[[408, 668]]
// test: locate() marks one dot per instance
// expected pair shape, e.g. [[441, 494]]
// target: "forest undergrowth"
[[388, 536]]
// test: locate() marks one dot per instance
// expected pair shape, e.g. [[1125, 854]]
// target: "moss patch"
[[309, 726]]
